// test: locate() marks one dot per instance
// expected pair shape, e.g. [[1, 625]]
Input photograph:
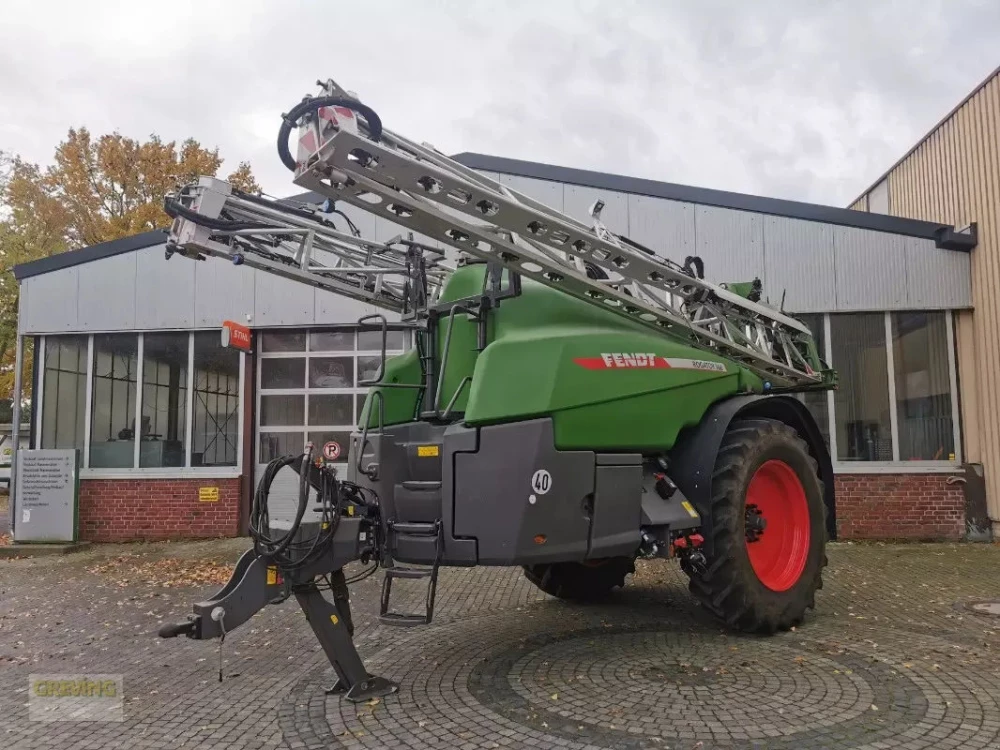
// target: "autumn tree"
[[94, 191]]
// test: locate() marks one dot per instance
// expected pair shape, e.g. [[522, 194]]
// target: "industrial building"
[[952, 175], [129, 366]]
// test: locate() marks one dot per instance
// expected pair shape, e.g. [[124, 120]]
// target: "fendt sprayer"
[[572, 401]]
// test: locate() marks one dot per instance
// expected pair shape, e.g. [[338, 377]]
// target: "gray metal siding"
[[799, 263], [144, 291], [577, 201], [106, 294], [549, 193], [821, 268], [281, 302], [49, 302], [164, 292], [661, 225], [221, 292], [869, 269], [731, 243], [936, 279]]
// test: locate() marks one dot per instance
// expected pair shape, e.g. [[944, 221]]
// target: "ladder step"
[[421, 486], [410, 572], [416, 529], [430, 574], [403, 621]]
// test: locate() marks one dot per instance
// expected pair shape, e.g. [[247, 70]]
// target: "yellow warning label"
[[689, 508], [428, 451], [272, 576], [324, 525], [334, 619], [350, 510], [208, 494]]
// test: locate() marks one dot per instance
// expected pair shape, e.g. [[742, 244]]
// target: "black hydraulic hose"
[[173, 209], [312, 105], [259, 515]]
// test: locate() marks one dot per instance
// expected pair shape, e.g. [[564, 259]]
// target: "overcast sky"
[[809, 100]]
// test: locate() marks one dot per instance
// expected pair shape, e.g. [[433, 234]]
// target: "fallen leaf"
[[554, 696], [126, 570]]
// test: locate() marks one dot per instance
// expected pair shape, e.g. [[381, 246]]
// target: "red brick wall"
[[899, 506], [118, 510], [869, 506]]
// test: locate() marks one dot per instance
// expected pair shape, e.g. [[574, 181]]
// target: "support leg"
[[331, 622]]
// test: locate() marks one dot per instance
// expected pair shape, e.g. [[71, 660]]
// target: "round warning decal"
[[541, 481], [331, 451]]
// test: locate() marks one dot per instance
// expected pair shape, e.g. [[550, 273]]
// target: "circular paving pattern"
[[544, 678]]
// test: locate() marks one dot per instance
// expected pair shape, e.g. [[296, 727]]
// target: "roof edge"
[[929, 133], [90, 253], [944, 236]]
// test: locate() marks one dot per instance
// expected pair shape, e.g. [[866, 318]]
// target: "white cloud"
[[807, 101]]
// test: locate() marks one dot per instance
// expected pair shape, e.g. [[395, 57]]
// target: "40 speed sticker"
[[541, 482]]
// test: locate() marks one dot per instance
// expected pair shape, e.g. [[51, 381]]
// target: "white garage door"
[[307, 390]]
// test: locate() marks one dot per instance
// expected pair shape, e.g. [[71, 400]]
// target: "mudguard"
[[692, 459]]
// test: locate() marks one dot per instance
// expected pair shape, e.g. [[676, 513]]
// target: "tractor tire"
[[762, 581], [581, 581]]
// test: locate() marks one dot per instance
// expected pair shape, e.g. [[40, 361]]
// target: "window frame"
[[187, 470], [896, 466]]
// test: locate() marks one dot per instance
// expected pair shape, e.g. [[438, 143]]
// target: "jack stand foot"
[[373, 687], [331, 622], [337, 687]]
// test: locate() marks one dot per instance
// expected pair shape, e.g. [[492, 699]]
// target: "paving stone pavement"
[[893, 657]]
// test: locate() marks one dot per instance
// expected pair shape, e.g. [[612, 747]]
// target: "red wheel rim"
[[778, 555]]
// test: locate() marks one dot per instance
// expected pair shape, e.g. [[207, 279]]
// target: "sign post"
[[46, 496]]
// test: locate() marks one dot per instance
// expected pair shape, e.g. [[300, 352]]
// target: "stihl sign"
[[236, 336], [646, 361]]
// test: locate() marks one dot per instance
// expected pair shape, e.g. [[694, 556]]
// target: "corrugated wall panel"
[[281, 302], [164, 290], [107, 294], [870, 269], [936, 279], [661, 225], [49, 302], [798, 260], [577, 201], [332, 309], [731, 243], [222, 291], [954, 177], [543, 191]]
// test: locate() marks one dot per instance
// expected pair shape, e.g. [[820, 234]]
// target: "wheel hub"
[[755, 523]]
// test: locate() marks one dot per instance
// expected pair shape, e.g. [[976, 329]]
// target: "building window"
[[170, 399], [861, 402], [282, 341], [371, 341], [923, 386], [215, 432], [309, 387], [64, 392], [113, 410], [164, 400]]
